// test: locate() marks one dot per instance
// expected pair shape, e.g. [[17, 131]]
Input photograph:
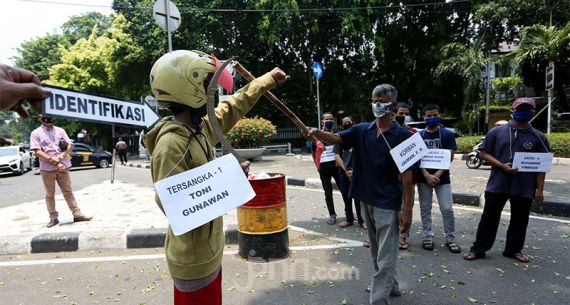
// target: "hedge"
[[559, 143]]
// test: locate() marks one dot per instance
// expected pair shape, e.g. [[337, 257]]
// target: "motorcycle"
[[474, 160]]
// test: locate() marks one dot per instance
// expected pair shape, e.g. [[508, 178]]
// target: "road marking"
[[508, 214], [153, 256]]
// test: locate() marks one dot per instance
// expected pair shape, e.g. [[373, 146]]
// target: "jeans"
[[64, 181], [445, 201], [326, 173], [344, 188], [383, 234], [491, 217]]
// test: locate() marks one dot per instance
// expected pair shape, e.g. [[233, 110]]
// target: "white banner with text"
[[437, 159], [409, 152], [533, 162], [197, 196]]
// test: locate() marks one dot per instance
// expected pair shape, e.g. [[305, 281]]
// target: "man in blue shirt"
[[378, 184], [436, 137], [507, 183]]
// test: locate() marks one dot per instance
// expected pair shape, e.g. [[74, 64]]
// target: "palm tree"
[[468, 63], [542, 43]]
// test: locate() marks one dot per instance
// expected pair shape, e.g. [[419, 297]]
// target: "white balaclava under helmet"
[[383, 108]]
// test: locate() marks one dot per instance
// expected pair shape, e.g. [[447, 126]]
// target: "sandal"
[[345, 224], [453, 247], [363, 225], [366, 244], [331, 220], [471, 256], [521, 258], [428, 244], [404, 244]]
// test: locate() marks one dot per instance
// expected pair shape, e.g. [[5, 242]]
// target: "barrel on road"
[[262, 222]]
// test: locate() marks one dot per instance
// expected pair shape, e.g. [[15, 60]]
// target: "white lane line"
[[352, 243], [505, 213], [150, 256]]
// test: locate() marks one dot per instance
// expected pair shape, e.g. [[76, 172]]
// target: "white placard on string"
[[328, 154], [533, 162], [409, 152], [437, 159], [197, 196]]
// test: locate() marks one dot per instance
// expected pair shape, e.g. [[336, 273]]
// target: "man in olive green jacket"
[[179, 81]]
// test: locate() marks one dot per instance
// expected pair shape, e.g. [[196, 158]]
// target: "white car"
[[15, 159]]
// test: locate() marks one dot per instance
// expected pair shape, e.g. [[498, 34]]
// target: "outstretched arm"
[[327, 137]]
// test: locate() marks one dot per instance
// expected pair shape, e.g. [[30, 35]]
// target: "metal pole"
[[318, 106], [487, 92], [167, 5], [549, 111]]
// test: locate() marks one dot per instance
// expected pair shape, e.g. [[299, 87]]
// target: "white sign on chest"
[[409, 152], [328, 154], [533, 162], [197, 196], [437, 159]]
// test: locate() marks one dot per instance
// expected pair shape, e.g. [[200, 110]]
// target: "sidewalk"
[[125, 219]]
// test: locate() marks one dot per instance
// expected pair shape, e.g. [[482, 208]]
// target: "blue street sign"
[[317, 70]]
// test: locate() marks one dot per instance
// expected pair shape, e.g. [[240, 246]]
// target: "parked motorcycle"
[[474, 160]]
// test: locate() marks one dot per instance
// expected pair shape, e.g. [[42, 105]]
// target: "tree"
[[541, 46], [81, 26], [544, 44], [503, 19], [38, 54], [97, 64], [100, 64], [468, 63]]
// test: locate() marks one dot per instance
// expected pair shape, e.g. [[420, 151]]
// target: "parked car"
[[14, 159], [85, 155]]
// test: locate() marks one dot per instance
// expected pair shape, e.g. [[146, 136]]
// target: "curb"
[[155, 237]]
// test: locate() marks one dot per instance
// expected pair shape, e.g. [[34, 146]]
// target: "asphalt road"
[[29, 187], [463, 179], [328, 265]]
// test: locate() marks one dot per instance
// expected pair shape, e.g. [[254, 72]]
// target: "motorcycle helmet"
[[182, 77]]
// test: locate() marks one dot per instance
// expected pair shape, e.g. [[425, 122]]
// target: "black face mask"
[[400, 120], [346, 126], [196, 114], [46, 120]]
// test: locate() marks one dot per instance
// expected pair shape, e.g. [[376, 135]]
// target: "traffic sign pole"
[[318, 73], [549, 78], [167, 5], [318, 106]]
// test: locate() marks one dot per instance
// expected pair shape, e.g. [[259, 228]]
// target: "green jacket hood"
[[166, 125]]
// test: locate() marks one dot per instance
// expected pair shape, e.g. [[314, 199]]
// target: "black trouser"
[[487, 229], [344, 186], [123, 155], [326, 173]]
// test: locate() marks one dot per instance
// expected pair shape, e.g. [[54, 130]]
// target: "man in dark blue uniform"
[[507, 183], [378, 184]]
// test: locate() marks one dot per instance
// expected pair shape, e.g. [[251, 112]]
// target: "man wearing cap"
[[378, 184], [52, 146], [507, 183]]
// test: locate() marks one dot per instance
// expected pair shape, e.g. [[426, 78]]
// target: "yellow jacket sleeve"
[[231, 111]]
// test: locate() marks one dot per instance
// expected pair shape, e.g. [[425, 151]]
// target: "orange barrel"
[[262, 221]]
